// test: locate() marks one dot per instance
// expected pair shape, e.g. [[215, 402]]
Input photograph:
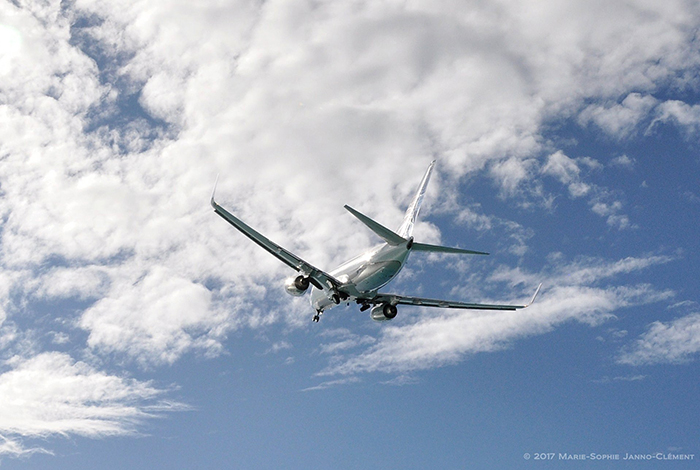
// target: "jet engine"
[[296, 286], [383, 312]]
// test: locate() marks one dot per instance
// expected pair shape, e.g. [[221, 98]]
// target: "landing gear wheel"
[[317, 317]]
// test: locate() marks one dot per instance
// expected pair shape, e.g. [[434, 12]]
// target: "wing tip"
[[534, 297], [213, 193]]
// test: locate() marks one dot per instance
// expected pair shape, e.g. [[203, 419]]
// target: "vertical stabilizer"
[[409, 220]]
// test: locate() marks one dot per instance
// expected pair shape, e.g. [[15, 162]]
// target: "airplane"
[[359, 279]]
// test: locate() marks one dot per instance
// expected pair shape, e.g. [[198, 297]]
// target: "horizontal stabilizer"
[[387, 235], [445, 249]]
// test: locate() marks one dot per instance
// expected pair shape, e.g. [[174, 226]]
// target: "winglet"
[[213, 203], [534, 296]]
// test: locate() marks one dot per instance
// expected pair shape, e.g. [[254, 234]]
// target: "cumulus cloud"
[[116, 117], [623, 161], [50, 394], [567, 171], [684, 115], [623, 119], [620, 120], [156, 321], [573, 292], [665, 342], [571, 172]]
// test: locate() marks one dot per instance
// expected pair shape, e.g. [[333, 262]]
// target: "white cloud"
[[582, 271], [567, 171], [512, 173], [620, 120], [623, 161], [665, 342], [289, 102], [332, 383], [89, 282], [350, 342], [684, 115], [516, 233], [116, 116], [279, 346], [620, 222], [51, 395], [602, 201], [154, 319], [622, 378], [401, 380], [571, 293]]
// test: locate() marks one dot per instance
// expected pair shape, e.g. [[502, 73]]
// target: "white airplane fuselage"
[[364, 274]]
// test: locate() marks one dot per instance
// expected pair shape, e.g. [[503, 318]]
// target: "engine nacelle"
[[383, 312], [296, 286]]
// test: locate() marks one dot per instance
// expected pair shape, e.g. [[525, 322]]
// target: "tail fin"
[[403, 234], [406, 229]]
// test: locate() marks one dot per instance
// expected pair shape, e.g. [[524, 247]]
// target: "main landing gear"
[[338, 297]]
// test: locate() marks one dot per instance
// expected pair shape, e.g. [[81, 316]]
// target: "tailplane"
[[403, 234], [445, 249], [387, 235]]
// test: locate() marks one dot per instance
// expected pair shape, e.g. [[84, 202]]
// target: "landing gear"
[[338, 297], [317, 317]]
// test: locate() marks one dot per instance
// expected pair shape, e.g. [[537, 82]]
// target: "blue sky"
[[138, 329]]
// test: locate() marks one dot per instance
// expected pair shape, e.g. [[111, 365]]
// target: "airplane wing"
[[319, 279], [423, 302]]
